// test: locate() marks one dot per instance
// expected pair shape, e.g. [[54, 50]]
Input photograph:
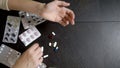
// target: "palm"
[[56, 12]]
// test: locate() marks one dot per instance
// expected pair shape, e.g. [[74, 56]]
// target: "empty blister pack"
[[8, 56], [29, 35], [11, 29], [29, 19]]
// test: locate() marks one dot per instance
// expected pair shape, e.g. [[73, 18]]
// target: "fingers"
[[67, 16], [34, 47], [40, 60], [38, 52], [62, 3], [70, 16]]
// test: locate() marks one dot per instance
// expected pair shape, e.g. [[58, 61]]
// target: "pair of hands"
[[31, 58], [56, 11]]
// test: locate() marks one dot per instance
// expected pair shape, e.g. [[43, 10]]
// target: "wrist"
[[40, 9]]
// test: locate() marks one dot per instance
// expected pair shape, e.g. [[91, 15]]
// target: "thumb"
[[62, 3]]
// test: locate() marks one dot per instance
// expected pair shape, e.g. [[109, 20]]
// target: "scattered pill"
[[45, 56], [56, 49], [53, 33], [50, 44], [42, 48], [55, 44]]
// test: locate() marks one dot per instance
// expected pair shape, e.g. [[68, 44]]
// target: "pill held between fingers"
[[45, 56]]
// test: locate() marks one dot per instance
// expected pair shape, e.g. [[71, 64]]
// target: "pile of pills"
[[54, 44]]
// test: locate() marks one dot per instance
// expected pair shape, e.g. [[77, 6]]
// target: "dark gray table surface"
[[95, 10], [94, 42]]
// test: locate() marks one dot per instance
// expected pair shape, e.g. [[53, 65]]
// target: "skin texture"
[[55, 11], [30, 58]]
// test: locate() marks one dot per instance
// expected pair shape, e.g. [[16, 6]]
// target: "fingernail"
[[67, 22], [73, 23], [42, 48]]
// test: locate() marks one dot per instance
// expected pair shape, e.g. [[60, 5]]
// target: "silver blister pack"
[[8, 56], [11, 29], [29, 19]]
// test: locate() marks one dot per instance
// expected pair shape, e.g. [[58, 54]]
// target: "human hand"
[[31, 58], [56, 11]]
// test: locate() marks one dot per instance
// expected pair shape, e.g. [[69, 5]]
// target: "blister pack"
[[29, 35], [29, 19], [8, 56], [11, 29]]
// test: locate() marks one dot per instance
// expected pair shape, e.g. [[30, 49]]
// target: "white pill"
[[42, 48], [50, 44], [45, 56], [53, 33], [55, 44], [57, 48]]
